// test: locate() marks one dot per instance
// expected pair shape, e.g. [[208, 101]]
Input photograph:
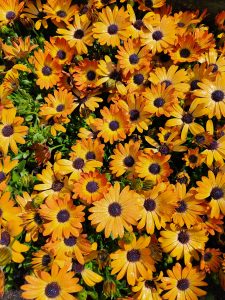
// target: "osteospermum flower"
[[78, 34], [159, 33], [34, 11], [114, 124], [193, 159], [153, 166], [211, 95], [158, 205], [42, 260], [124, 158], [134, 260], [184, 283], [213, 187], [62, 218], [91, 187], [112, 26], [11, 131], [59, 284], [10, 10], [61, 104], [213, 60], [183, 242], [47, 69], [177, 78], [115, 212], [211, 260]]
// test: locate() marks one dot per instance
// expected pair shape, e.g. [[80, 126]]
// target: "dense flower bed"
[[112, 148]]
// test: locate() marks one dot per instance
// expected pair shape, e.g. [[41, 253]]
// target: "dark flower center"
[[187, 118], [182, 179], [78, 163], [157, 35], [213, 145], [158, 102], [164, 149], [71, 241], [148, 3], [207, 256], [52, 290], [2, 176], [149, 284], [77, 267], [154, 168], [115, 75], [114, 209], [5, 238], [133, 255], [63, 216], [149, 204], [215, 67], [182, 206], [91, 75], [185, 53], [113, 125], [61, 54], [37, 219], [183, 237], [10, 15], [92, 186], [204, 218], [180, 24], [46, 259], [128, 161], [60, 108], [61, 14], [138, 79], [217, 95], [46, 70], [138, 24], [164, 57], [78, 34], [167, 83], [194, 84], [193, 158], [57, 186], [217, 193], [112, 29], [183, 284], [7, 130], [134, 115], [133, 59], [90, 155], [200, 139]]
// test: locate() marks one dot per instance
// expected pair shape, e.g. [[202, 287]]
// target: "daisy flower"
[[211, 260], [181, 243], [10, 11], [214, 60], [11, 131], [134, 260], [112, 26], [78, 34], [124, 158], [62, 218], [91, 187], [184, 283], [115, 212], [59, 283], [214, 188], [34, 11], [114, 124], [193, 158]]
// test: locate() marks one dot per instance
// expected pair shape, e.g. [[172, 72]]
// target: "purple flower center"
[[133, 255], [183, 237], [113, 125], [157, 35], [180, 24], [167, 83], [37, 219], [149, 204], [114, 209], [2, 176], [183, 284], [77, 267], [138, 79], [112, 29], [187, 118], [213, 145], [215, 67], [134, 115], [92, 186], [154, 168], [217, 193], [57, 186], [194, 84], [46, 259], [164, 149], [138, 24], [78, 34], [158, 102], [217, 95], [61, 13], [91, 75], [207, 256], [133, 59], [5, 238], [78, 163], [193, 158], [185, 53], [10, 15], [128, 161], [90, 155], [7, 130], [46, 70], [182, 206], [60, 108], [61, 54], [71, 241], [63, 216], [52, 290]]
